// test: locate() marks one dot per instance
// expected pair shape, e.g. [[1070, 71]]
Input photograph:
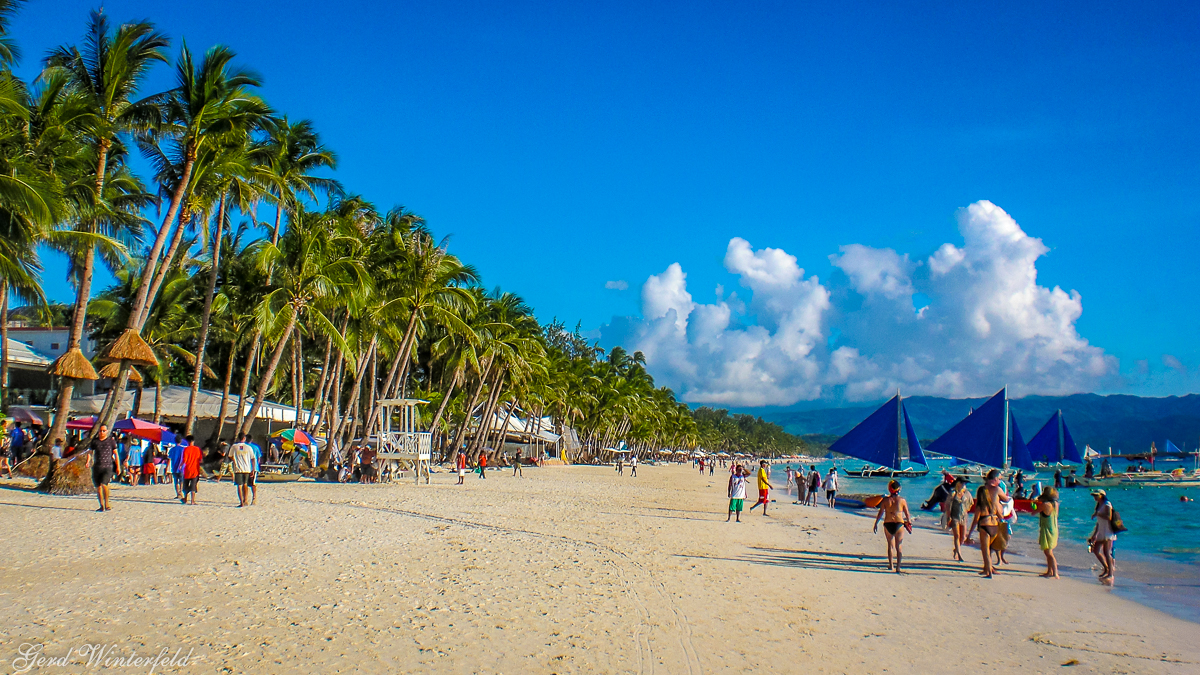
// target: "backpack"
[[1115, 521]]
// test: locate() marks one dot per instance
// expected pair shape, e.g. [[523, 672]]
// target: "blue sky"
[[565, 145]]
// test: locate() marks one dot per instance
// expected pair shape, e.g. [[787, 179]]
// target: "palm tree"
[[107, 74], [210, 102], [312, 261]]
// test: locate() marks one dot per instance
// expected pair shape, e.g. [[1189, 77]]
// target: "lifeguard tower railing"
[[399, 441]]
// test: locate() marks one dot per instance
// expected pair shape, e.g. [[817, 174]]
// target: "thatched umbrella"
[[130, 347], [112, 370], [73, 364]]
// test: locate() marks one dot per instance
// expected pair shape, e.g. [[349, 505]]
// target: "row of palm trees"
[[331, 304]]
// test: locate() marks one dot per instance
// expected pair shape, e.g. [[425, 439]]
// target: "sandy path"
[[567, 570]]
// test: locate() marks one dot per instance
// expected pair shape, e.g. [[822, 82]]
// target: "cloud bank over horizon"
[[965, 321]]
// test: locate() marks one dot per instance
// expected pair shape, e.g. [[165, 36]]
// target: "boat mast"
[[1062, 451], [899, 427], [1006, 422]]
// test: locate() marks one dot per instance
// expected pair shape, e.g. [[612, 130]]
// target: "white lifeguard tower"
[[404, 445]]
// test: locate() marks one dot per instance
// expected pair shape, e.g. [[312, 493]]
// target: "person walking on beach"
[[1048, 530], [517, 465], [894, 511], [958, 507], [764, 486], [483, 463], [737, 493], [103, 460], [633, 466], [134, 463], [243, 466], [1103, 536], [461, 462], [6, 461], [814, 484], [175, 459], [620, 466], [801, 480], [987, 518], [192, 456], [711, 466], [831, 487]]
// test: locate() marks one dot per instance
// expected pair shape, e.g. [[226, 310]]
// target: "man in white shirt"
[[243, 468], [831, 487]]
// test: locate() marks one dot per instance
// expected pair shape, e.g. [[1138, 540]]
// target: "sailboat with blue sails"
[[880, 440], [1053, 444], [987, 437]]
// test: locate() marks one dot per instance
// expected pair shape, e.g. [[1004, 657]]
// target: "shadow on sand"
[[853, 562]]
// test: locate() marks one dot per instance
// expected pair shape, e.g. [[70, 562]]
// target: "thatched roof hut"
[[130, 347], [113, 369], [73, 364]]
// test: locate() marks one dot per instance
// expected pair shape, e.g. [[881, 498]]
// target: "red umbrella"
[[24, 415], [82, 423], [142, 429]]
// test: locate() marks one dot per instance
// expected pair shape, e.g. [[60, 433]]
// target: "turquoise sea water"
[[1160, 552]]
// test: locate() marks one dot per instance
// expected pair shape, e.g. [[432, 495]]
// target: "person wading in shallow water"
[[894, 511]]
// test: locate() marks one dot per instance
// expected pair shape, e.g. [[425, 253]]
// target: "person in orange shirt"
[[191, 470]]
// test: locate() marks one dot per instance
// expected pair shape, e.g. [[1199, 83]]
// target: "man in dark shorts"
[[192, 456], [104, 461], [243, 467]]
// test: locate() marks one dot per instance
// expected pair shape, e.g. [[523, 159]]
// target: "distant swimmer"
[[894, 511], [1186, 498]]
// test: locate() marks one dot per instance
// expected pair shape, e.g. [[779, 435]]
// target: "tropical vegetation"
[[329, 305]]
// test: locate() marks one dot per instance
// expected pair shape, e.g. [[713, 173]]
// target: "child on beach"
[[737, 493], [461, 462]]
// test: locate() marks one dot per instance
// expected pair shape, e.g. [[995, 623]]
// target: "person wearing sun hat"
[[1103, 536]]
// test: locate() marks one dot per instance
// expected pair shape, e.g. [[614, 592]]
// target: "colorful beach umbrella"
[[147, 430], [82, 423], [294, 435]]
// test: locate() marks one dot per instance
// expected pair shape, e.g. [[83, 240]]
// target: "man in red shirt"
[[191, 470]]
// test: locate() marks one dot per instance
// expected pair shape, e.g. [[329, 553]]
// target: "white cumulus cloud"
[[988, 323]]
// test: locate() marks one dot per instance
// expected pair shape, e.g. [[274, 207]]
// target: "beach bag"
[[1116, 523]]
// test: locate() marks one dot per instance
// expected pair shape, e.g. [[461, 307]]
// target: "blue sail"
[[915, 454], [1070, 450], [1043, 447], [875, 439], [1170, 447], [979, 437], [1018, 453]]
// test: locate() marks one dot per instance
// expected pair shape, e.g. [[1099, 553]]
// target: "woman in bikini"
[[894, 511], [987, 518], [958, 508]]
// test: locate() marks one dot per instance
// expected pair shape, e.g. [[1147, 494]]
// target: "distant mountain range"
[[1124, 423]]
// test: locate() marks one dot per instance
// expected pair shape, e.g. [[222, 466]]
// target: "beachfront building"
[[28, 383], [173, 404], [533, 437]]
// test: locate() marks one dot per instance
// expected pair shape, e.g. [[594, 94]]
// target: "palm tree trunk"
[[504, 429], [467, 412], [78, 318], [251, 355], [445, 400], [389, 387], [225, 391], [137, 316], [355, 388], [4, 345], [373, 393], [297, 376], [264, 383], [205, 315], [158, 387], [319, 399]]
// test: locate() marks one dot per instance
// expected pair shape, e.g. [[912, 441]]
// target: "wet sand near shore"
[[568, 570]]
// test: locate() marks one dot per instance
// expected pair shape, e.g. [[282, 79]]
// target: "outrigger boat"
[[988, 437], [880, 440], [885, 472]]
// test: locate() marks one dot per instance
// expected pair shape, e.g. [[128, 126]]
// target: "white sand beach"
[[568, 570]]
